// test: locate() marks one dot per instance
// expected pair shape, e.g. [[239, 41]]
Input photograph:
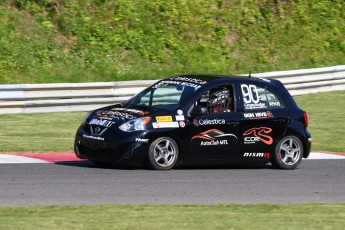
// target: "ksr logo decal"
[[258, 134]]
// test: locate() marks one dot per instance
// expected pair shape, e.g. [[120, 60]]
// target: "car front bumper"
[[112, 150]]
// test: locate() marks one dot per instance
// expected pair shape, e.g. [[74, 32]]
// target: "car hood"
[[118, 114]]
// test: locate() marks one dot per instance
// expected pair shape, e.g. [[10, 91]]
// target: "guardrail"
[[63, 97]]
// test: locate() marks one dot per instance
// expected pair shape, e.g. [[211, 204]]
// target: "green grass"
[[39, 132], [97, 40], [44, 132], [326, 119], [263, 216]]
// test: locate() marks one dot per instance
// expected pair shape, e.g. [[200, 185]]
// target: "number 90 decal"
[[250, 94]]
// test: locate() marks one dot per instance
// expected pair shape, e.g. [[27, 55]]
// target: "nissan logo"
[[97, 130]]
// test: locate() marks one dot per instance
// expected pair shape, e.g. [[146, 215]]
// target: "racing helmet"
[[219, 100]]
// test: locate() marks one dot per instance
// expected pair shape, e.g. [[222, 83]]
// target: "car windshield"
[[163, 95]]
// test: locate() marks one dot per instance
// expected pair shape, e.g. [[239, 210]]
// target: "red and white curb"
[[18, 158], [326, 155]]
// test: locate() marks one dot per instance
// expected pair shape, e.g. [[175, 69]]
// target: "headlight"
[[135, 124]]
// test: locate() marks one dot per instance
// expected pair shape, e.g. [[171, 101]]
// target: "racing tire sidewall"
[[277, 160], [151, 161]]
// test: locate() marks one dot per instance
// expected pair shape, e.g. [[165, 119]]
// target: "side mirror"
[[198, 110]]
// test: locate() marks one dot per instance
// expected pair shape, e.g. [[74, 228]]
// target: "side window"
[[218, 99], [273, 100], [255, 97]]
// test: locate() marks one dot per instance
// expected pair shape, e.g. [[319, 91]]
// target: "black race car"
[[199, 119]]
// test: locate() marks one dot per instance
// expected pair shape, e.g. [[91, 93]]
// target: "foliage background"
[[97, 40]]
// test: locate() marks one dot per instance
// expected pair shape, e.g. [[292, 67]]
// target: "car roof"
[[219, 78], [203, 80]]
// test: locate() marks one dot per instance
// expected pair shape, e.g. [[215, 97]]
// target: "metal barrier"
[[63, 97]]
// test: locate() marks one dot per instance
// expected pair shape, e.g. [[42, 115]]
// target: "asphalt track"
[[52, 179]]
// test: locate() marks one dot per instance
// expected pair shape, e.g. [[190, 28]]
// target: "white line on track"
[[318, 156], [12, 159]]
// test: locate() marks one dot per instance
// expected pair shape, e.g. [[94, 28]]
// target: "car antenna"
[[250, 74]]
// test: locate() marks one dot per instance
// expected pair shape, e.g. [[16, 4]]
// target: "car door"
[[264, 120], [214, 135]]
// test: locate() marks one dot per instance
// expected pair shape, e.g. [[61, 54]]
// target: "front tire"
[[163, 153], [288, 153]]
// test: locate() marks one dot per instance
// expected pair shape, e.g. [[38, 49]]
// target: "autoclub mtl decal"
[[210, 137]]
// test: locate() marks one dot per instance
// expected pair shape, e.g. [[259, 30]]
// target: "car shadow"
[[90, 164], [79, 163], [226, 166]]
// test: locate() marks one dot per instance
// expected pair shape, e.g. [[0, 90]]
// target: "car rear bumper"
[[307, 146]]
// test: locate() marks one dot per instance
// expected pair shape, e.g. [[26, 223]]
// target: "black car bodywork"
[[199, 119]]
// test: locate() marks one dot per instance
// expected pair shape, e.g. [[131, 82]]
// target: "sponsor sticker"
[[184, 81], [260, 134], [118, 114], [260, 155], [158, 125], [258, 115], [121, 113], [187, 79], [212, 134], [275, 104], [255, 106], [99, 112], [208, 122], [101, 122], [164, 118], [131, 111], [140, 140], [214, 142], [182, 124], [179, 112], [92, 137], [179, 118]]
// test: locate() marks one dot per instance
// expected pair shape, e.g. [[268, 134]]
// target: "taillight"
[[305, 118]]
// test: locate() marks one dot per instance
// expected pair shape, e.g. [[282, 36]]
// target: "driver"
[[219, 101]]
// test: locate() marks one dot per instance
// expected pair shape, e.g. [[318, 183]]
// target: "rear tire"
[[288, 153], [163, 153]]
